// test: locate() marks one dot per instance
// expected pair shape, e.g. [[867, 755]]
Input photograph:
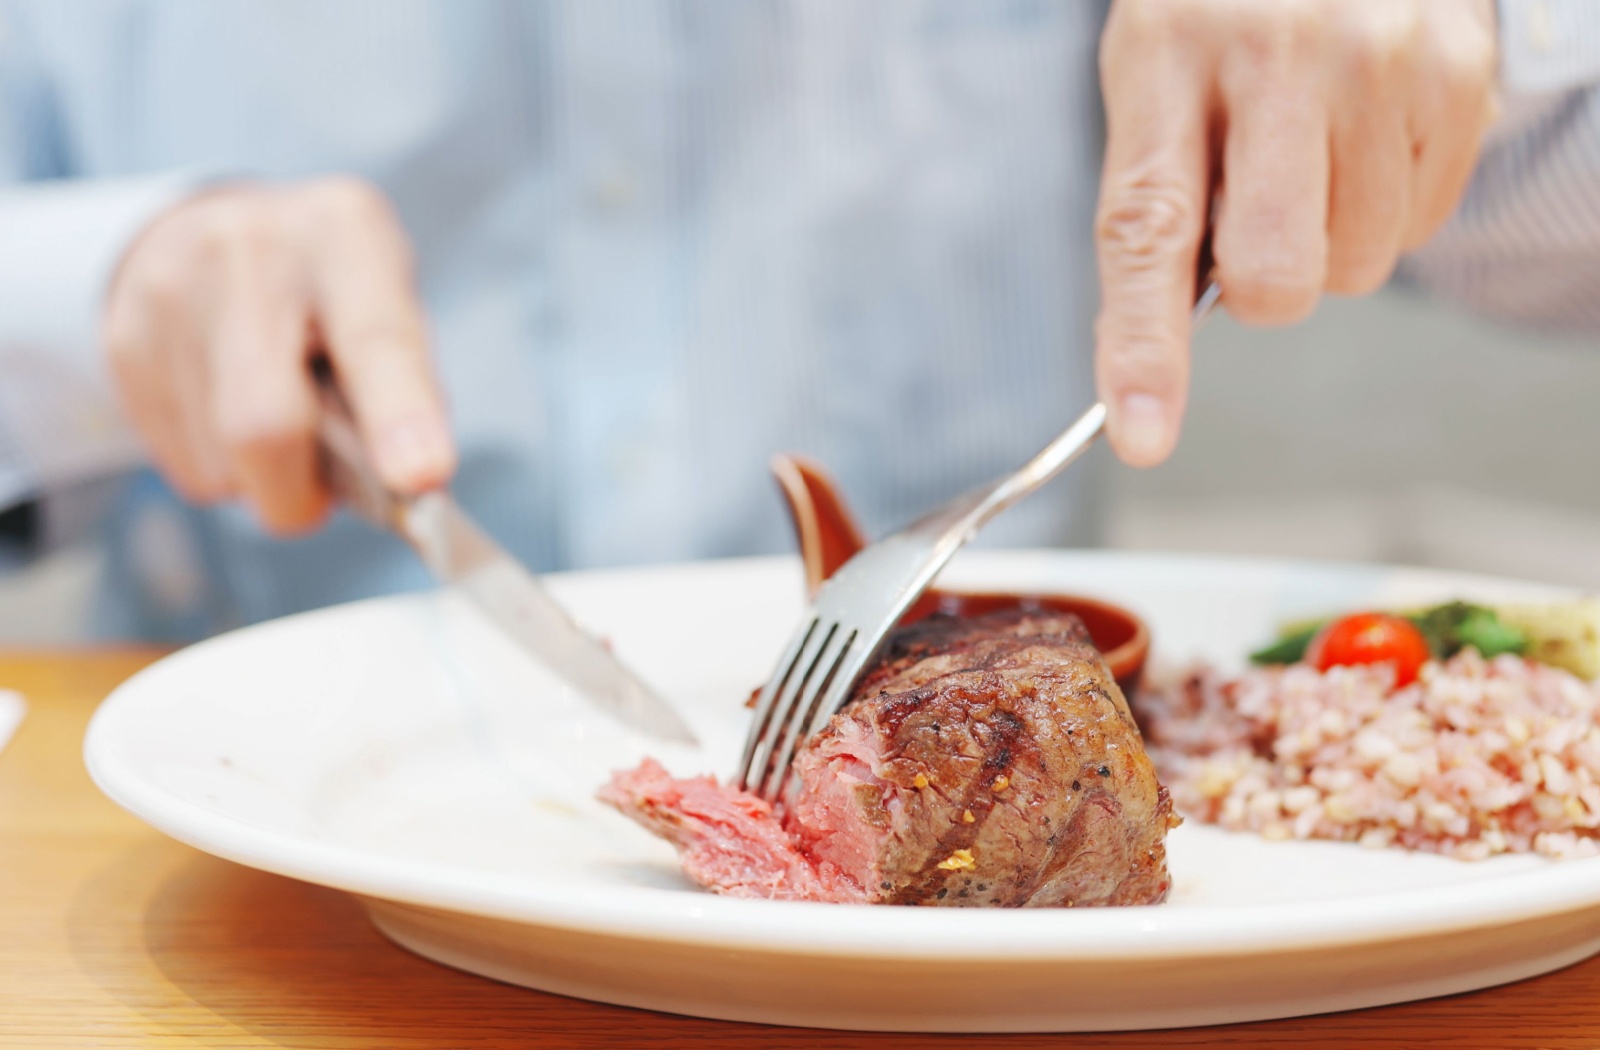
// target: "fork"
[[857, 608]]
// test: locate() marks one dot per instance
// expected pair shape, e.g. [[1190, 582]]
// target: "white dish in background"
[[402, 750]]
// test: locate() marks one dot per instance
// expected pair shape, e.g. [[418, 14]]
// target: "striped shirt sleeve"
[[1524, 246]]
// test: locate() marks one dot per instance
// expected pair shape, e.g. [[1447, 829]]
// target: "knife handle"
[[342, 457]]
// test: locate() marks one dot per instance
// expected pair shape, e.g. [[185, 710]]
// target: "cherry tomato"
[[1371, 638]]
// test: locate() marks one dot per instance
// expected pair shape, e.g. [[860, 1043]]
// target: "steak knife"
[[461, 555]]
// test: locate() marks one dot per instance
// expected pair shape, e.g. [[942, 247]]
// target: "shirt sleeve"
[[60, 243], [1524, 246], [61, 239]]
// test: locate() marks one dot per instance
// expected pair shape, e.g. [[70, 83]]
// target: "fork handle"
[[1076, 439]]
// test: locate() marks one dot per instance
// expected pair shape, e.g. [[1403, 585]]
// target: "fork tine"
[[861, 603], [831, 697], [793, 687], [837, 692], [791, 732], [762, 718]]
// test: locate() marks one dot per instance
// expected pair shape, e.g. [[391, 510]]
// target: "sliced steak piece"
[[984, 761]]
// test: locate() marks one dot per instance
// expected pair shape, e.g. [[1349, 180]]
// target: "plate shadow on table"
[[283, 963]]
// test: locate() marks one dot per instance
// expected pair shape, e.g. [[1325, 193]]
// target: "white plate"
[[400, 749]]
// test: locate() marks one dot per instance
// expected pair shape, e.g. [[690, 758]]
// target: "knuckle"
[[353, 211], [1368, 70], [1270, 294], [1270, 279], [1146, 223], [1468, 65], [1141, 19], [1377, 41], [1136, 24], [348, 200], [241, 227], [1460, 54], [1264, 31], [251, 431]]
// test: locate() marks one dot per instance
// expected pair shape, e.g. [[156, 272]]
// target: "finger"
[[372, 323], [1456, 105], [1369, 198], [263, 401], [1153, 200], [1271, 237], [145, 337], [187, 369]]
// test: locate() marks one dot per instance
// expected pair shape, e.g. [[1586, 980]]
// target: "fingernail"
[[414, 452], [1142, 429]]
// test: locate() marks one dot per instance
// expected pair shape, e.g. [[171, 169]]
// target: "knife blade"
[[461, 555]]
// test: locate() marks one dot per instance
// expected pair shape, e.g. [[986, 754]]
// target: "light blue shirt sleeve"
[[61, 239], [657, 242]]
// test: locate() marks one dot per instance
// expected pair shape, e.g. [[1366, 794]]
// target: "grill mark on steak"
[[977, 796], [963, 703], [1010, 719]]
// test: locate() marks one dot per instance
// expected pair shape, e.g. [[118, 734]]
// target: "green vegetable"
[[1451, 627], [1448, 629], [1485, 631], [1290, 645]]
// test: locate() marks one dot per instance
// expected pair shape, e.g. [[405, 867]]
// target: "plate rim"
[[1154, 931]]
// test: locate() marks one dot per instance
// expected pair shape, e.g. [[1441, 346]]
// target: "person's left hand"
[[1333, 135]]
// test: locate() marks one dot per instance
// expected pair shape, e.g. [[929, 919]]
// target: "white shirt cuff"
[[60, 245]]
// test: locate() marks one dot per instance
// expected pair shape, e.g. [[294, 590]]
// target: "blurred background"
[[1388, 429]]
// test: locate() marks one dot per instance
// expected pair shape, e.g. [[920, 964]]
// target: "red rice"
[[1477, 757]]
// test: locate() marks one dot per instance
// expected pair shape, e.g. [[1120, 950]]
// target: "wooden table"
[[112, 936]]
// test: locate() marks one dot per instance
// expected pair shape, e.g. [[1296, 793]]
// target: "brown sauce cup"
[[829, 537]]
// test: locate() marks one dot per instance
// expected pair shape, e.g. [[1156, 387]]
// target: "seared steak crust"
[[987, 761], [983, 761]]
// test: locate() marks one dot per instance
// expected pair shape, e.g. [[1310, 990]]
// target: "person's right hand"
[[215, 313], [1321, 139]]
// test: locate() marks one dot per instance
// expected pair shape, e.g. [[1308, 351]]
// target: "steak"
[[985, 761]]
